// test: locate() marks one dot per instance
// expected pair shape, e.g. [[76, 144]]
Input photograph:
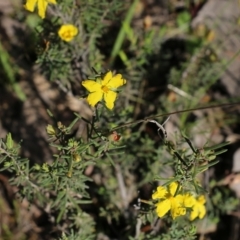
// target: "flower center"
[[105, 89], [67, 34], [168, 196]]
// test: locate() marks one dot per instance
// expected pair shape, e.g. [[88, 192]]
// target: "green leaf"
[[183, 18], [216, 146]]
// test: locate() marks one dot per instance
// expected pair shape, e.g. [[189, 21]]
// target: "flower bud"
[[9, 141], [50, 130], [76, 157], [45, 167], [114, 136], [69, 174]]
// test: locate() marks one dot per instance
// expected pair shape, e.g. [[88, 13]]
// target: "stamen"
[[105, 89]]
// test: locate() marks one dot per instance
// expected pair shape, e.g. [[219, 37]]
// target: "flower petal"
[[42, 7], [30, 5], [160, 193], [107, 77], [201, 199], [179, 199], [91, 85], [52, 1], [202, 211], [110, 98], [173, 188], [116, 81], [178, 211], [188, 200], [176, 207], [194, 213], [94, 98], [163, 207]]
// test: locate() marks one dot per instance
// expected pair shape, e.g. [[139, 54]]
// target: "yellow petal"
[[107, 77], [163, 207], [74, 30], [201, 199], [198, 210], [110, 98], [42, 7], [116, 81], [202, 211], [188, 200], [52, 1], [91, 86], [173, 188], [179, 199], [160, 193], [194, 213], [30, 5], [176, 212], [94, 98], [176, 207]]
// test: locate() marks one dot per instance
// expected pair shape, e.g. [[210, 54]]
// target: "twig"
[[121, 185]]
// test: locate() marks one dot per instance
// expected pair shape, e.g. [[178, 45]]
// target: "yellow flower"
[[67, 32], [42, 6], [198, 209], [104, 88], [169, 202]]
